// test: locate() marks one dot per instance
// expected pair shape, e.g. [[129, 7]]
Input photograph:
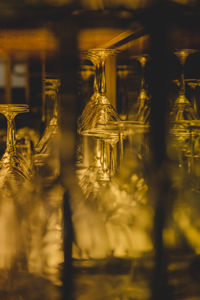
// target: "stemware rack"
[[46, 39]]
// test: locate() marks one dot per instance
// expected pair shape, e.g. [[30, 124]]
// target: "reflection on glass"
[[143, 100], [123, 72], [98, 110], [194, 84], [117, 211], [182, 108], [12, 164], [47, 150], [93, 122], [25, 260], [181, 234]]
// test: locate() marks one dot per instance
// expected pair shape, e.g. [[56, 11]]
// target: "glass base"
[[14, 108]]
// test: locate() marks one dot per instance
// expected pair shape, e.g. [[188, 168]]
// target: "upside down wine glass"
[[27, 222], [143, 100], [15, 175], [11, 163], [98, 113], [182, 119], [194, 84], [52, 86], [47, 151], [182, 115], [182, 109], [193, 130], [94, 98]]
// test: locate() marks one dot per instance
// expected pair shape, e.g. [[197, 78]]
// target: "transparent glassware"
[[51, 95], [121, 215], [194, 84], [47, 215], [181, 233], [31, 254], [46, 156], [180, 118], [182, 108], [104, 164], [94, 123], [123, 72], [193, 155], [51, 90], [22, 222], [143, 101], [184, 145], [98, 111], [94, 98], [26, 140], [179, 143], [12, 164], [15, 177]]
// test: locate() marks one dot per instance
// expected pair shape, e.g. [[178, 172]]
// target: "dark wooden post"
[[160, 183], [68, 61]]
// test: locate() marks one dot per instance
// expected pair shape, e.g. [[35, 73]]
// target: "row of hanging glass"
[[113, 212]]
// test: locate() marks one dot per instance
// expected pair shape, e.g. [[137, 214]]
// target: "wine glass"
[[51, 95], [98, 110], [143, 100], [104, 165], [194, 84], [15, 185], [46, 156], [51, 89], [26, 140], [31, 239], [110, 135], [94, 98], [96, 115], [181, 116], [182, 109], [11, 162], [123, 73]]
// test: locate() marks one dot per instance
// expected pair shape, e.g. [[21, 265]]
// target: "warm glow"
[[18, 42], [98, 37]]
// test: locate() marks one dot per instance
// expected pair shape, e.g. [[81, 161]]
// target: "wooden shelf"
[[123, 30], [24, 43]]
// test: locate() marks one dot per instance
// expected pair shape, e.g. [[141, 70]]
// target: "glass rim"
[[98, 53], [186, 50], [15, 108]]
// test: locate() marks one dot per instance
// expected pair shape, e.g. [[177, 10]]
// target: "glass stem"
[[105, 161], [182, 87], [102, 77], [191, 154], [55, 109], [142, 61], [98, 152], [121, 143], [52, 112], [86, 156], [96, 77], [182, 57], [112, 160], [195, 103], [142, 94], [180, 159], [10, 133]]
